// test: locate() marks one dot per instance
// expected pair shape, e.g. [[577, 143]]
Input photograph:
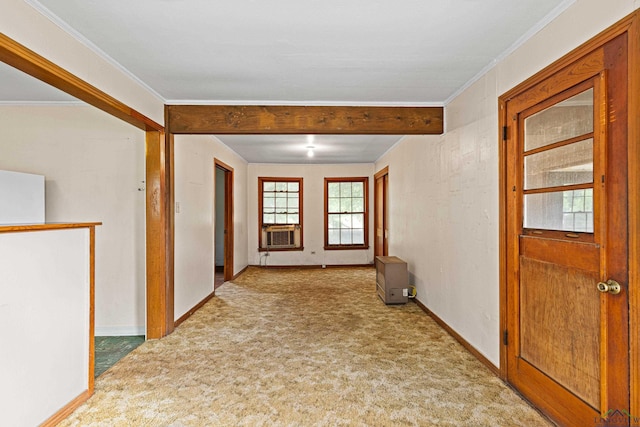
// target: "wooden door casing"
[[228, 218], [607, 66], [381, 212]]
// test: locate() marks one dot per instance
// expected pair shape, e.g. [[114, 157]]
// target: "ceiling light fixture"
[[310, 145]]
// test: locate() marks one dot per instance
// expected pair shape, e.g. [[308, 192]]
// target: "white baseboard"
[[119, 331]]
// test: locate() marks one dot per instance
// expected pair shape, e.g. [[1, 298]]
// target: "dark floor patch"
[[111, 349], [218, 278]]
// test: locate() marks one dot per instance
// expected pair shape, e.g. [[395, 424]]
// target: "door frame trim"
[[629, 25], [228, 217], [376, 201]]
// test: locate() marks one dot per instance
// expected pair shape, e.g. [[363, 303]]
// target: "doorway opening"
[[381, 212], [223, 229]]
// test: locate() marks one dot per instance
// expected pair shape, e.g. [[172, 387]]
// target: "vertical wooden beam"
[[158, 291], [92, 308], [169, 231]]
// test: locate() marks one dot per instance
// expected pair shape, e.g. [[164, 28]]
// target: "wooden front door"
[[566, 236], [381, 209]]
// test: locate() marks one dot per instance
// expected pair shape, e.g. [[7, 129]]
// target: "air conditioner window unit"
[[281, 236]]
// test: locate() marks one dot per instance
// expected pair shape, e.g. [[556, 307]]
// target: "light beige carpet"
[[303, 348]]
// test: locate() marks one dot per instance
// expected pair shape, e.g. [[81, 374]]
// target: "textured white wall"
[[444, 189], [44, 312], [194, 224], [93, 166], [313, 211], [29, 27]]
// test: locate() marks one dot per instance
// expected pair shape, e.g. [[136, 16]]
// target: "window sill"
[[345, 247], [280, 249]]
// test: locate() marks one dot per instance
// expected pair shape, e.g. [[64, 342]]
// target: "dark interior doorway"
[[223, 229]]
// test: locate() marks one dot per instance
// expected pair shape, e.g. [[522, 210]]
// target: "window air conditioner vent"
[[281, 236]]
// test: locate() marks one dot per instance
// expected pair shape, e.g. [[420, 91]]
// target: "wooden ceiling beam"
[[252, 119]]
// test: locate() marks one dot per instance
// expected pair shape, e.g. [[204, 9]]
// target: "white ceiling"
[[297, 52], [327, 149]]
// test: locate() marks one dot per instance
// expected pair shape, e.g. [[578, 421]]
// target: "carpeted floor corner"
[[303, 348]]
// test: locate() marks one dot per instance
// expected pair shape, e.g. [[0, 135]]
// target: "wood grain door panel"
[[560, 325]]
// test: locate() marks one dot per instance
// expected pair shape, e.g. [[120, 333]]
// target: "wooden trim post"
[[159, 320]]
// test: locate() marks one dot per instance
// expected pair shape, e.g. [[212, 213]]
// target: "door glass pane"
[[560, 210], [570, 164], [564, 120]]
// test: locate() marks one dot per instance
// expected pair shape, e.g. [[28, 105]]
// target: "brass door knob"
[[610, 286]]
